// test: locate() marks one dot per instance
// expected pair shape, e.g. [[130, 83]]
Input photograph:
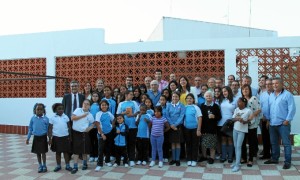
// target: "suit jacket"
[[67, 102]]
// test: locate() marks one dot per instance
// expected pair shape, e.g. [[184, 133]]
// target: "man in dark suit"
[[72, 100]]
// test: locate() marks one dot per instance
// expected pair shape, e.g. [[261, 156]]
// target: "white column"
[[230, 63]]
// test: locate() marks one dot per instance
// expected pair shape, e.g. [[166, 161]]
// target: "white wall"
[[18, 111]]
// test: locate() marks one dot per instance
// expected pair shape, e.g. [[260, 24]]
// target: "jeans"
[[238, 138], [157, 143], [283, 132]]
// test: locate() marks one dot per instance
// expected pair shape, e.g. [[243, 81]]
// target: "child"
[[104, 120], [158, 122], [112, 102], [130, 109], [240, 116], [93, 132], [82, 120], [121, 130], [149, 105], [166, 146], [38, 126], [60, 142], [142, 135]]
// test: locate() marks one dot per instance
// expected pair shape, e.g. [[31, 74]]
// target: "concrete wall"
[[18, 111]]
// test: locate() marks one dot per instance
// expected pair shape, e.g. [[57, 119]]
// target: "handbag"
[[227, 128]]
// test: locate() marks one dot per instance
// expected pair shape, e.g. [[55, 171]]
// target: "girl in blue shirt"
[[175, 113], [108, 97], [38, 127], [94, 109], [149, 105], [104, 120]]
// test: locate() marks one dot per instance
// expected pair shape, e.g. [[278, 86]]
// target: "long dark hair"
[[230, 93], [188, 86]]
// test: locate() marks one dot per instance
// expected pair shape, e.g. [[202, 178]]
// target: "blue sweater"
[[38, 126], [175, 114], [120, 139]]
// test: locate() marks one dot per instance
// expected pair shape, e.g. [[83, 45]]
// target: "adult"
[[162, 84], [264, 102], [172, 77], [235, 87], [147, 82], [197, 85], [129, 83], [99, 87], [184, 89], [211, 83], [219, 82], [201, 98], [87, 90], [282, 112], [154, 94], [173, 85], [73, 100], [247, 80], [262, 84], [230, 79]]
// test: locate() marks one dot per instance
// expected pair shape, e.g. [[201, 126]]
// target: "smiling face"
[[86, 105], [175, 98], [189, 100], [74, 87], [246, 91]]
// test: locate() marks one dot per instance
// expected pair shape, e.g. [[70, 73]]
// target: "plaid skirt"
[[39, 144], [81, 142], [61, 144], [209, 140]]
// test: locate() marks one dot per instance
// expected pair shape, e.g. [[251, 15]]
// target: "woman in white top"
[[82, 119], [240, 116], [227, 107], [251, 136]]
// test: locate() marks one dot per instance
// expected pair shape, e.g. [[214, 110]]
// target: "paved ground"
[[16, 162]]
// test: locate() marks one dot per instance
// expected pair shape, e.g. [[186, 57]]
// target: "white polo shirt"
[[83, 123], [60, 125]]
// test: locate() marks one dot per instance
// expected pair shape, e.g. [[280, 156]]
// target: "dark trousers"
[[192, 144], [104, 147], [121, 151], [143, 149], [166, 145], [94, 142], [251, 137], [265, 139], [131, 142]]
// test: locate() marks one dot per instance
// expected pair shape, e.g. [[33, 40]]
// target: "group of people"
[[169, 120]]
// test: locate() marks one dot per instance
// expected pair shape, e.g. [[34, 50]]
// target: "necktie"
[[75, 103]]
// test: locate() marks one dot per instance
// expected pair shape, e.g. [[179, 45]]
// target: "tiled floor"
[[16, 162]]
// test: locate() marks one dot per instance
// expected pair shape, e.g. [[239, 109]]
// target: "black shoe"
[[249, 164], [230, 161], [84, 167], [264, 157], [69, 168], [177, 163], [210, 161], [57, 168], [271, 161], [202, 159], [172, 162], [74, 170], [286, 166], [40, 169], [222, 160]]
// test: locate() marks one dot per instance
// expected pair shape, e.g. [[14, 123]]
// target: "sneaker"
[[210, 161], [84, 167], [98, 168], [126, 165], [152, 163], [160, 164], [218, 157], [131, 163], [194, 163], [166, 160], [144, 163], [189, 163], [286, 166], [108, 164], [68, 168], [139, 163], [115, 165], [91, 159], [40, 169], [271, 161], [122, 158], [235, 169], [177, 163], [96, 159], [44, 169], [112, 158], [172, 162], [74, 170], [57, 168]]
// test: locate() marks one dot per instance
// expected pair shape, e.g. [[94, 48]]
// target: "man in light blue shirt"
[[154, 93], [282, 111]]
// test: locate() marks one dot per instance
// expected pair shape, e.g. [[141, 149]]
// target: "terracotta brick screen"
[[273, 63], [115, 67], [23, 88]]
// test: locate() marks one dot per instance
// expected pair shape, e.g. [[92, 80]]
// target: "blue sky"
[[131, 20]]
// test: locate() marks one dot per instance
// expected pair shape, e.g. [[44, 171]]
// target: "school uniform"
[[38, 127], [175, 115], [61, 141], [105, 146], [94, 109], [112, 105], [121, 143], [143, 137], [81, 139]]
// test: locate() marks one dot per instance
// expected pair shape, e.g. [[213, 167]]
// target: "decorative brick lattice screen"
[[23, 88], [273, 63], [114, 68]]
